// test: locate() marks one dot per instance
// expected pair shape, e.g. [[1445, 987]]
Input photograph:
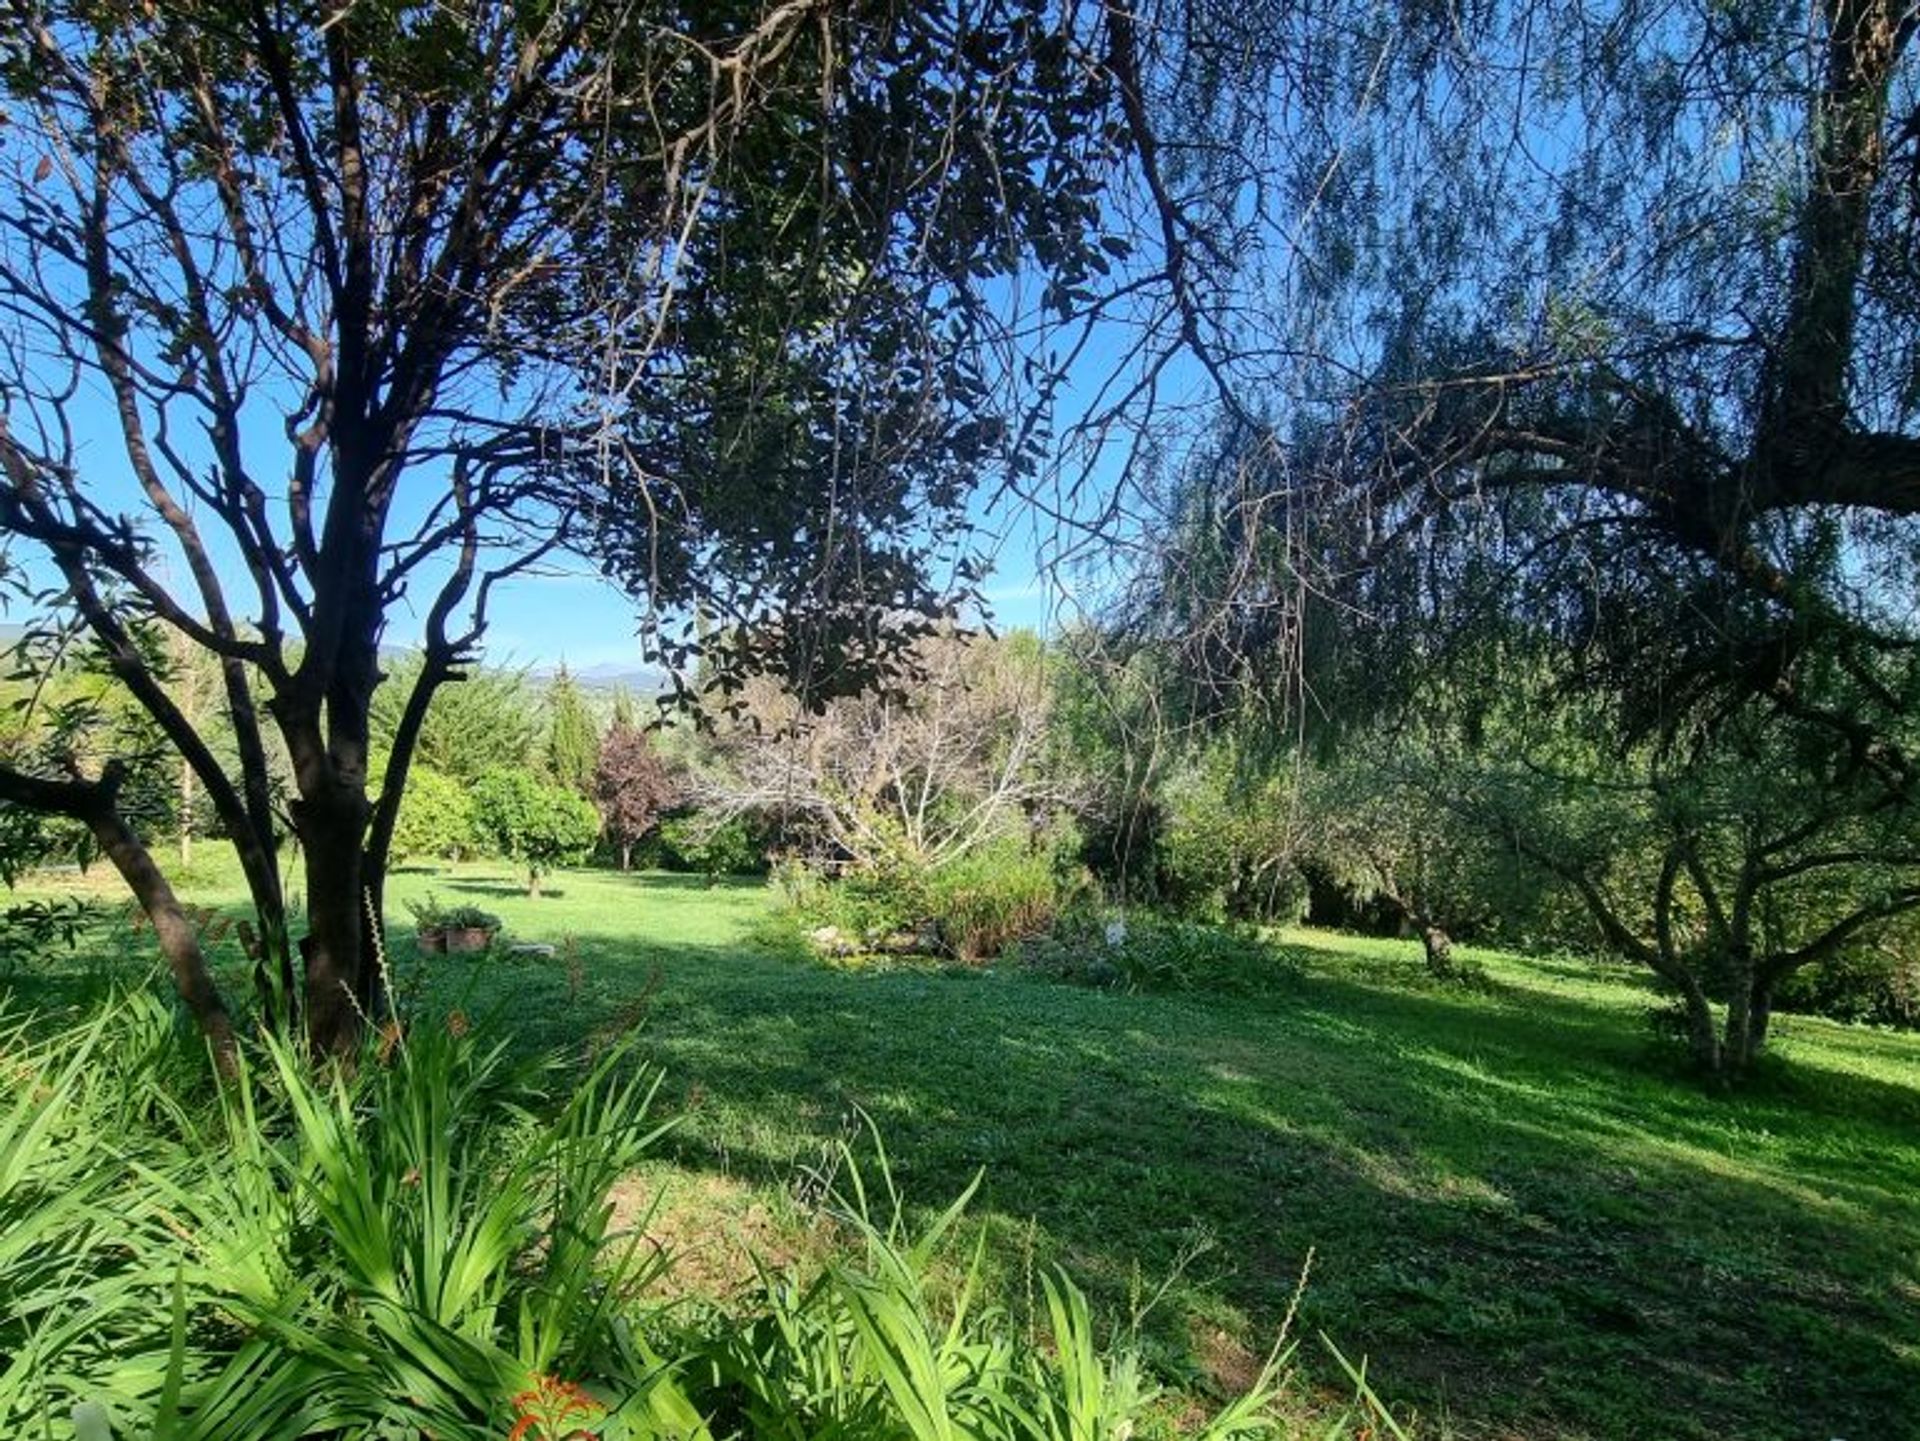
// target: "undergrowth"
[[420, 1243]]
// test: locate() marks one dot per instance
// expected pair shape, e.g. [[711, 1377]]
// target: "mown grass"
[[1519, 1211]]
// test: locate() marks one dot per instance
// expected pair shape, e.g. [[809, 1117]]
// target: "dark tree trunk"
[[334, 949], [1749, 1004], [1762, 1019], [96, 804], [1703, 1039], [1758, 1016]]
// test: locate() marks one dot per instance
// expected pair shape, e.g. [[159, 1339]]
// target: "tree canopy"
[[389, 303]]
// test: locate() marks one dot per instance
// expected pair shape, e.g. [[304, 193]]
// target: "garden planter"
[[433, 940], [468, 938]]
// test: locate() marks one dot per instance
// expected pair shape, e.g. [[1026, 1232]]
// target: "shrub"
[[540, 826], [712, 847], [1881, 987], [973, 908], [865, 905], [436, 817], [993, 897], [1140, 951]]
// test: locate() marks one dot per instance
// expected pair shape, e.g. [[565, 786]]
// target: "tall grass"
[[420, 1244]]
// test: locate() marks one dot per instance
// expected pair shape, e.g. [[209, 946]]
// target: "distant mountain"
[[642, 680]]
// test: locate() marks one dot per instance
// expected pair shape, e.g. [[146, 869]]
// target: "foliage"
[[973, 908], [995, 897], [489, 721], [1142, 951], [427, 1244], [540, 826], [711, 845], [573, 737], [1230, 839], [1112, 733], [39, 926], [292, 1254], [631, 787], [437, 817], [1879, 984], [429, 915]]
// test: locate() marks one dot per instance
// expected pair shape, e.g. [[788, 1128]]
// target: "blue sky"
[[565, 611]]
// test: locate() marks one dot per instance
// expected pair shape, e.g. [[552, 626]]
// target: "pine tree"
[[573, 740]]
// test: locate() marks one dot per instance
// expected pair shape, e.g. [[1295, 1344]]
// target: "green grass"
[[1527, 1220]]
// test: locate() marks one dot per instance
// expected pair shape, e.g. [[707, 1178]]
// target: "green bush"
[[991, 898], [1141, 951], [710, 847], [436, 818], [1881, 987], [972, 909], [865, 905], [540, 826]]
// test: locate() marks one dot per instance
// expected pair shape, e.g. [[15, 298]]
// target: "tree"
[[573, 739], [1388, 819], [539, 825], [436, 817], [919, 775], [1723, 871], [631, 786], [488, 721], [391, 302], [1614, 304]]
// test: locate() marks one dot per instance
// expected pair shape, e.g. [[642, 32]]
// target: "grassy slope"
[[1529, 1226]]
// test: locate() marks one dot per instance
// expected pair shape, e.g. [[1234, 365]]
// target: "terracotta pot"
[[433, 941], [468, 938]]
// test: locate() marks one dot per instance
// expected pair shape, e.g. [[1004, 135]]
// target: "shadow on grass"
[[1518, 1209], [1517, 1212]]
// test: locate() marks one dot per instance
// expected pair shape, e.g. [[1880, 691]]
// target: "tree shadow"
[[1514, 1211], [1518, 1208], [504, 890]]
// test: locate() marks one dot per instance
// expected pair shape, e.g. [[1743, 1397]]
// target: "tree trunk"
[[1758, 1016], [626, 855], [1702, 1036], [179, 940], [533, 884], [1745, 987], [1439, 949], [334, 947], [96, 804]]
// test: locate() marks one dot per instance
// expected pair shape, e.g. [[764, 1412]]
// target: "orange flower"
[[551, 1405]]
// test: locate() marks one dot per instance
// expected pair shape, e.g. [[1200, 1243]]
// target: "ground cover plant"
[[424, 1242], [1521, 1209]]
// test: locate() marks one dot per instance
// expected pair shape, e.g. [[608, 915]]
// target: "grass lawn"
[[1517, 1211]]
